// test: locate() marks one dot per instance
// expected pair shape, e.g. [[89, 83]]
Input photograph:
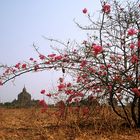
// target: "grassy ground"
[[31, 124]]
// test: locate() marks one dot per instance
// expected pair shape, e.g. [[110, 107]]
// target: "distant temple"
[[24, 100]]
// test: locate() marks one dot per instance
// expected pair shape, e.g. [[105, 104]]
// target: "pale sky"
[[23, 22]]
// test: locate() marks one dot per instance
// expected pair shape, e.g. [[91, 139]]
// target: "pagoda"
[[24, 98]]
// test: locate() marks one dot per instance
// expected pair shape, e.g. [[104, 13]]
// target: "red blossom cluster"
[[84, 10], [97, 49], [42, 57], [134, 59], [43, 91], [132, 46], [24, 66], [106, 8], [132, 32]]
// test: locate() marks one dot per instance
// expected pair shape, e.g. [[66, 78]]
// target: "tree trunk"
[[133, 110], [138, 125]]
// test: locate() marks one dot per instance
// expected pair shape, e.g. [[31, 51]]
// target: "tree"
[[106, 65]]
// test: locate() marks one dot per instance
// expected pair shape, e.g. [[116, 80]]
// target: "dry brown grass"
[[31, 124]]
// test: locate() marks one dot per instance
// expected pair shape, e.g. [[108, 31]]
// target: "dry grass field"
[[31, 124]]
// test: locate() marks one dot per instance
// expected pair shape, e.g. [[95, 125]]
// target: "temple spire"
[[24, 89]]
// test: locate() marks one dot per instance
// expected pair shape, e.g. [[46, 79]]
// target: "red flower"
[[36, 67], [7, 71], [132, 46], [31, 59], [117, 78], [42, 103], [97, 49], [42, 91], [13, 70], [17, 66], [61, 87], [42, 57], [51, 55], [79, 78], [24, 66], [69, 92], [49, 95], [102, 67], [84, 10], [104, 73], [134, 59], [83, 63], [108, 65], [58, 57], [131, 32], [69, 85], [92, 70], [136, 91], [79, 94], [106, 8]]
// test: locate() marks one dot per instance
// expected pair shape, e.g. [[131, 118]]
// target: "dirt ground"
[[31, 124]]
